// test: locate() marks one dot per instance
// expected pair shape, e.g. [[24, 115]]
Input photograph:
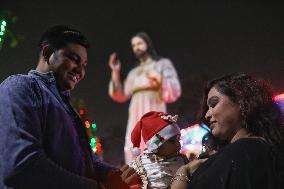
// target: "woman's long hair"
[[260, 115]]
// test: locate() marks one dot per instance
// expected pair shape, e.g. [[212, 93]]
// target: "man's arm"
[[24, 163], [114, 178], [116, 88], [102, 169], [171, 88], [124, 178]]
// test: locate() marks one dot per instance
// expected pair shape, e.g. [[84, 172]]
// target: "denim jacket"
[[43, 143]]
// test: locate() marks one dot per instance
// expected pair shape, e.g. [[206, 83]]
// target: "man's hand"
[[114, 63], [114, 181], [130, 176], [155, 80]]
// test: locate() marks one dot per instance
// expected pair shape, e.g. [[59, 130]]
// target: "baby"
[[161, 159]]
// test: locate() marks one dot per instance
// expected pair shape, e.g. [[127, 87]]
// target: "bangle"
[[183, 175], [184, 178]]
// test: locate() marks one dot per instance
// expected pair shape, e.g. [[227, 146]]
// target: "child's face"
[[170, 148]]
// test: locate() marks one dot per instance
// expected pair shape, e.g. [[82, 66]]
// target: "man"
[[150, 85], [43, 141]]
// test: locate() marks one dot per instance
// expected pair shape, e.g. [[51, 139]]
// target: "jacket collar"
[[48, 78]]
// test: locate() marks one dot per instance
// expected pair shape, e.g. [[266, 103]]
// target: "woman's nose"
[[208, 114]]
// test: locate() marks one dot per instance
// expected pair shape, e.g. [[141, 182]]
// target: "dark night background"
[[204, 40]]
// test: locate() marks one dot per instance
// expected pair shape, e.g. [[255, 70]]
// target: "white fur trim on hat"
[[162, 136], [135, 151]]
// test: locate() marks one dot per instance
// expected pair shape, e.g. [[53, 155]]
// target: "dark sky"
[[204, 40]]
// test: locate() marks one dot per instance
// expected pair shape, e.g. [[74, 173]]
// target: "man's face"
[[68, 65], [139, 47]]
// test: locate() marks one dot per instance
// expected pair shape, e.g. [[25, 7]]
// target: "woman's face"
[[223, 115]]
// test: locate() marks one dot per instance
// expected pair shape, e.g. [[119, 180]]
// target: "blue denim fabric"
[[43, 143]]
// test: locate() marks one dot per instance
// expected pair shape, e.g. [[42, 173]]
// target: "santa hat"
[[156, 128]]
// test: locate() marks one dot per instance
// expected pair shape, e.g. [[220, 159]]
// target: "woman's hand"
[[182, 176], [193, 165]]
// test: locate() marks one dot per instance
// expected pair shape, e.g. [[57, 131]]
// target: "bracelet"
[[183, 175], [180, 175], [180, 179]]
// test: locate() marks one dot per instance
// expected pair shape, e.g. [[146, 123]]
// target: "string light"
[[94, 126], [3, 25], [81, 111], [87, 124], [91, 128]]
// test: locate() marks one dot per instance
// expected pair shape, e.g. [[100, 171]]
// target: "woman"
[[239, 110]]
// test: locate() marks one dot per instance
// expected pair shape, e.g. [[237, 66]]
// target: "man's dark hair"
[[59, 36], [150, 47]]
